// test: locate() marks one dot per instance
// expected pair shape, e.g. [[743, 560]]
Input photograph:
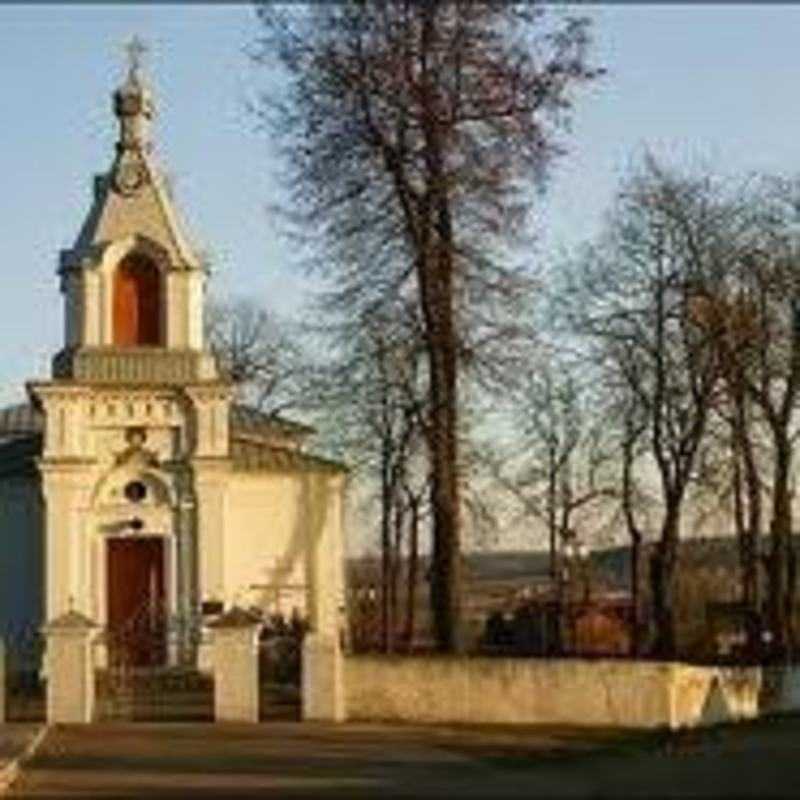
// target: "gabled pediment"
[[147, 213]]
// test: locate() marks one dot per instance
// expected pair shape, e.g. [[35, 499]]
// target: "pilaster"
[[66, 487], [324, 508], [211, 478]]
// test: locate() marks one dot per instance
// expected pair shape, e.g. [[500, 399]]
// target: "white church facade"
[[132, 481]]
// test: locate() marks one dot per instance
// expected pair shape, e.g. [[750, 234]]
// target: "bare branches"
[[411, 133], [258, 352], [665, 244]]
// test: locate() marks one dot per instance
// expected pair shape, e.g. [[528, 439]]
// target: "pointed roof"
[[133, 198]]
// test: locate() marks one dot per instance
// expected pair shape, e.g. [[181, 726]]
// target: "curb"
[[10, 772]]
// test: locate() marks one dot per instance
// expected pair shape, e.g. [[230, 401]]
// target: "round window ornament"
[[129, 177], [135, 491]]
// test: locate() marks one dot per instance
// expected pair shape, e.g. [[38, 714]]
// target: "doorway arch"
[[137, 303]]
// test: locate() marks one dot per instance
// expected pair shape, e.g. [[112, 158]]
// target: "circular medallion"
[[129, 177]]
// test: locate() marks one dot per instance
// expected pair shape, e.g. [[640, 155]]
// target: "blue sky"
[[703, 85]]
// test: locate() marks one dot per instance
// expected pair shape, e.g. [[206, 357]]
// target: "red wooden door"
[[137, 307], [136, 618]]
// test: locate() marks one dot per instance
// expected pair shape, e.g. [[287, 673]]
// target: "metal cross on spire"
[[135, 48]]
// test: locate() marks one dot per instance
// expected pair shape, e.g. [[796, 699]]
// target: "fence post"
[[235, 647], [323, 678], [69, 668]]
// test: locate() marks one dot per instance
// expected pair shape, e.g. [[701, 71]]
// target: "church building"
[[132, 482]]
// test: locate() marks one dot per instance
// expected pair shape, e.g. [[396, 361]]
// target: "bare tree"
[[754, 317], [558, 464], [369, 396], [768, 305], [664, 242], [410, 132], [258, 352], [733, 463]]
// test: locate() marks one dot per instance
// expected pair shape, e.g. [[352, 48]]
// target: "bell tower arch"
[[137, 304]]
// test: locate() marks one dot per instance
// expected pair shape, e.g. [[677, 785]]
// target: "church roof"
[[20, 420], [247, 419], [260, 457]]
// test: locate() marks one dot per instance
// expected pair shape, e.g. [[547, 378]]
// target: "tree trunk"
[[413, 570], [628, 448], [386, 566], [438, 305], [778, 607], [445, 572], [747, 504], [394, 585], [662, 578], [636, 626], [551, 511]]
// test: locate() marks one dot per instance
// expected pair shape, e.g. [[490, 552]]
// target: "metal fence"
[[280, 665], [147, 670]]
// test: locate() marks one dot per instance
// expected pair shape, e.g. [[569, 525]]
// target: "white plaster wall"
[[21, 551], [614, 693], [264, 562], [283, 544]]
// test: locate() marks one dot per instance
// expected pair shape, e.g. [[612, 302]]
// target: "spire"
[[134, 108], [131, 199]]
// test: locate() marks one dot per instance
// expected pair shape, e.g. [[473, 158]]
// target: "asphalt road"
[[294, 760]]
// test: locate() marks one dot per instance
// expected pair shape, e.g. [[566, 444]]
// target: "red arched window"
[[137, 306]]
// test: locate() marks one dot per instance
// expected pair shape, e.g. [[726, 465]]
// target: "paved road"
[[293, 760]]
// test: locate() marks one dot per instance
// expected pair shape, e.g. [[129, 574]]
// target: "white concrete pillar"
[[69, 668], [323, 678], [235, 647]]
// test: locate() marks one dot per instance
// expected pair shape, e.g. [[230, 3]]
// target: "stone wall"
[[615, 693]]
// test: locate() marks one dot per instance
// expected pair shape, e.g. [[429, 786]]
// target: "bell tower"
[[136, 415], [132, 285]]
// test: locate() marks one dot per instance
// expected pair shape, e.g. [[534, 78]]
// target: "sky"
[[699, 85]]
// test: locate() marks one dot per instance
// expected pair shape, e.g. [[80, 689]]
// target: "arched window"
[[137, 302]]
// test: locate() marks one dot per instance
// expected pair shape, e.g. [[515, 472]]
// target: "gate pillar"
[[69, 668], [235, 649], [322, 678]]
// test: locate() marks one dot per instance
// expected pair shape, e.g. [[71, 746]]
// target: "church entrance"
[[140, 680], [136, 601]]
